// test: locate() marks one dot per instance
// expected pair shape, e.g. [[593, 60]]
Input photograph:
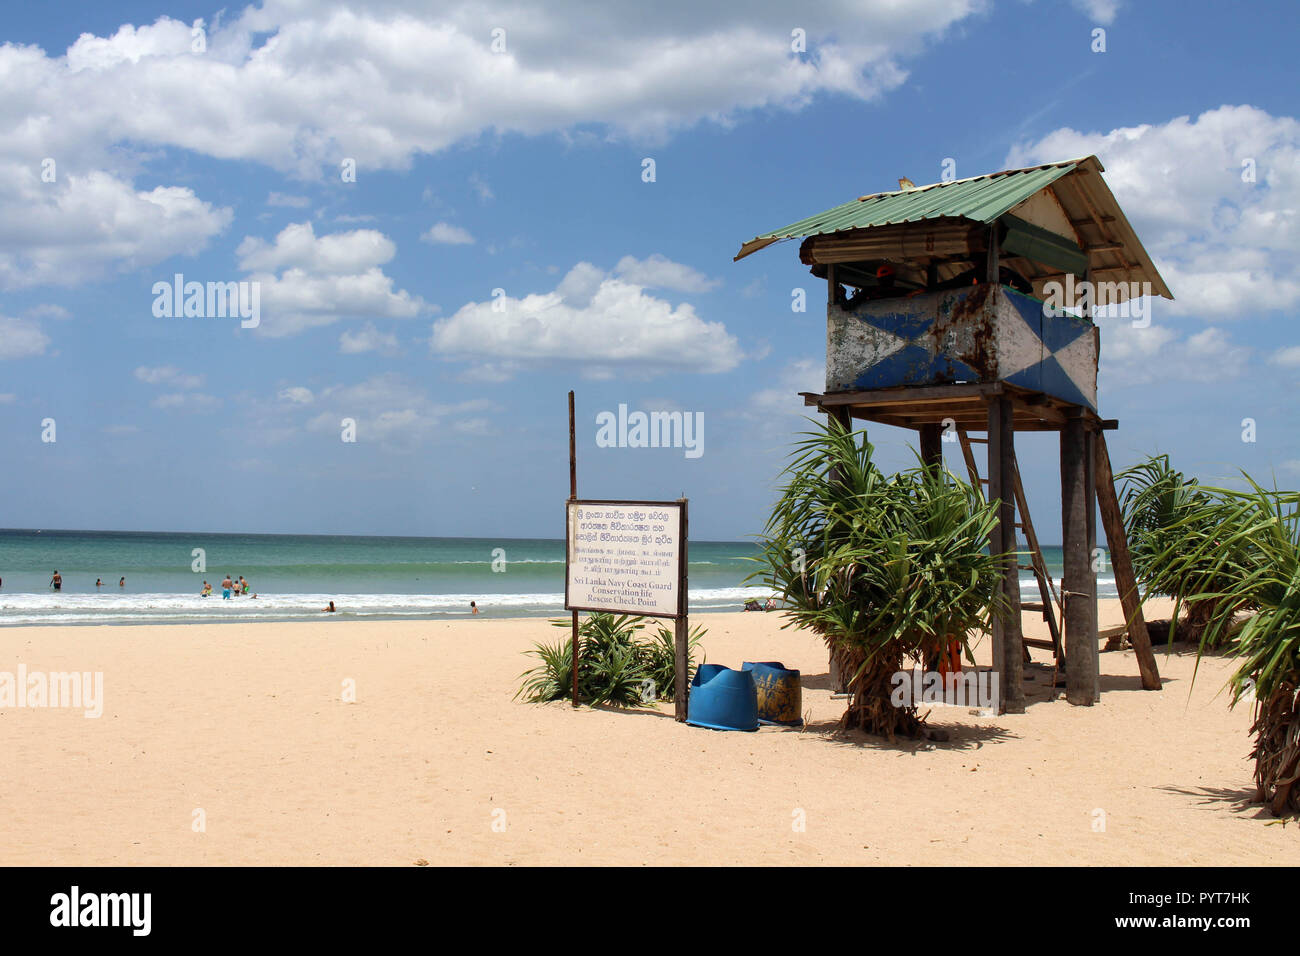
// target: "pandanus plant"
[[616, 665], [1167, 516], [1242, 550], [885, 569]]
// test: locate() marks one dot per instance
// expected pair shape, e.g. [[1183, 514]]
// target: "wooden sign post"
[[573, 496], [629, 557]]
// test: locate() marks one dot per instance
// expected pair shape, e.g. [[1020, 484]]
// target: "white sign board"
[[625, 556]]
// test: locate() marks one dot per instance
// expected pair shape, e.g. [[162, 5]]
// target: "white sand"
[[247, 724]]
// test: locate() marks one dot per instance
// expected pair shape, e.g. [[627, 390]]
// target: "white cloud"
[[325, 278], [81, 226], [167, 375], [481, 188], [782, 396], [592, 318], [446, 233], [1131, 356], [473, 426], [390, 410], [293, 202], [1225, 246], [297, 84], [298, 247], [296, 394], [296, 301], [21, 338], [1101, 11], [367, 339], [1289, 356], [48, 311], [660, 272]]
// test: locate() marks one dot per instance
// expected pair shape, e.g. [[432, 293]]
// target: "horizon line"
[[325, 534]]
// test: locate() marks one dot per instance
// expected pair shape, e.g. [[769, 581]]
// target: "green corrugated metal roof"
[[981, 199]]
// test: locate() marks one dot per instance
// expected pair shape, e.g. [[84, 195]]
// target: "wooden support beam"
[[1036, 563], [992, 272], [1008, 650], [840, 415], [1094, 553], [681, 625], [969, 457], [1079, 586], [932, 445], [1112, 520], [833, 297], [914, 395], [1124, 269]]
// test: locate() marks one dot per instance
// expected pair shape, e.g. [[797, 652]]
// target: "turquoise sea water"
[[294, 576]]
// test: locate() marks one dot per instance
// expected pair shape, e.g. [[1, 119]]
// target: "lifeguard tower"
[[947, 314]]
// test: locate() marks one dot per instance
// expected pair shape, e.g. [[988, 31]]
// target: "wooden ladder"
[[1050, 603]]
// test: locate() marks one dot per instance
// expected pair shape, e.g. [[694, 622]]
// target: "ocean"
[[295, 576]]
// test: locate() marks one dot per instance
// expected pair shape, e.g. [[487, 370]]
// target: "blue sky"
[[521, 170]]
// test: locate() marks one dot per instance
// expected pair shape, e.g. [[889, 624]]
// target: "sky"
[[455, 213]]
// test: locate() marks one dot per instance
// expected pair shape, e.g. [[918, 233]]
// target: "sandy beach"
[[434, 761]]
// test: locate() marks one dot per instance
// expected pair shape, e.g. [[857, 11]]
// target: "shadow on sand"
[[961, 736], [1240, 800]]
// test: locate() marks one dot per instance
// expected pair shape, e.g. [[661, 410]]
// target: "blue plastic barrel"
[[780, 694], [722, 699]]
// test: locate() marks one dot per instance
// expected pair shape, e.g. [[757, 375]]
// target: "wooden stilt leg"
[[1112, 520], [1008, 649], [932, 445], [1081, 680]]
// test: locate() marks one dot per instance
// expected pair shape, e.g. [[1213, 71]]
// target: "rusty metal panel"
[[979, 334]]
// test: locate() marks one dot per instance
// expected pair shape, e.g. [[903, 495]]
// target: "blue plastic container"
[[780, 694], [722, 699]]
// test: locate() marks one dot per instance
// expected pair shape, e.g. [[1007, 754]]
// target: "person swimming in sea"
[[56, 582], [122, 583], [226, 585], [473, 608], [99, 583], [243, 585], [330, 609], [207, 590]]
